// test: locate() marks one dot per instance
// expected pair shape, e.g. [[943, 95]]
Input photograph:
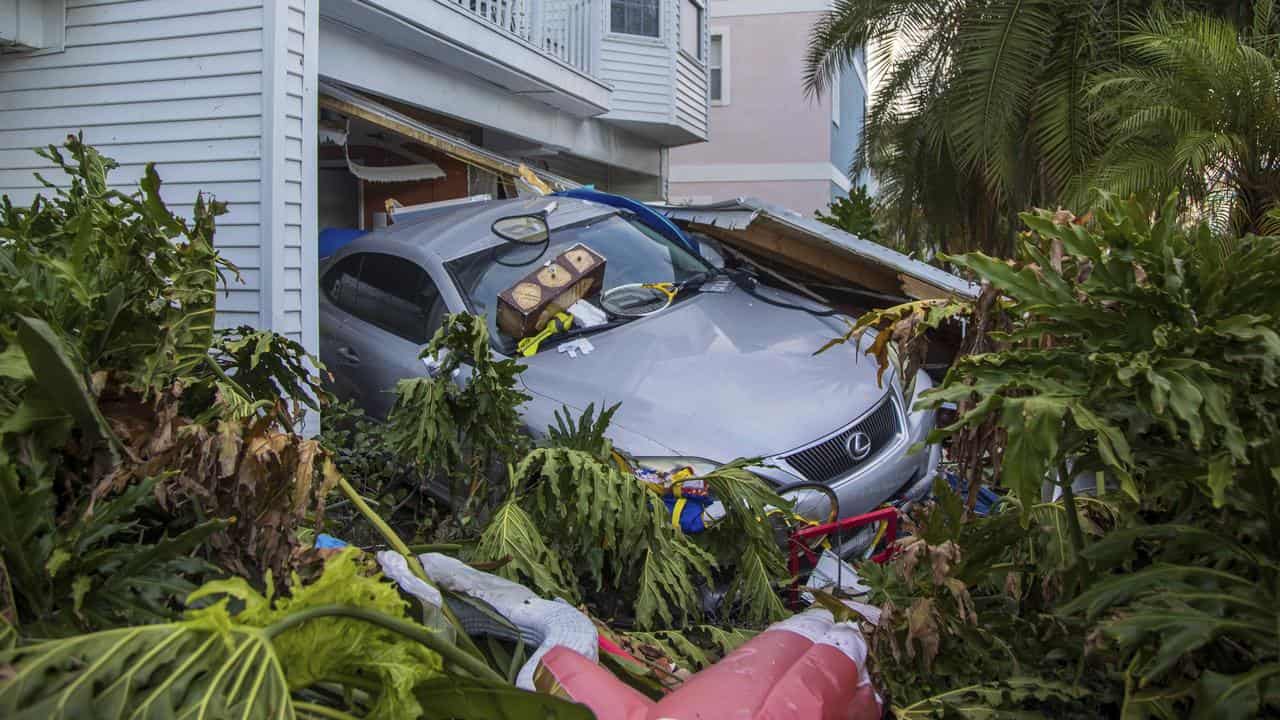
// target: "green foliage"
[[966, 602], [358, 447], [579, 527], [1162, 345], [988, 700], [854, 214], [695, 647], [586, 433], [512, 538], [982, 110], [460, 432], [463, 699], [131, 284], [259, 369], [987, 107], [336, 648], [59, 386], [131, 434], [1139, 349], [141, 451], [95, 573], [341, 644], [745, 541], [670, 568], [1207, 598], [574, 526], [1198, 112]]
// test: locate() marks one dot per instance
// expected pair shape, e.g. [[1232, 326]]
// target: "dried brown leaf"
[[922, 628]]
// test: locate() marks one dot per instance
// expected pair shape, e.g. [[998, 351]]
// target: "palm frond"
[[997, 67]]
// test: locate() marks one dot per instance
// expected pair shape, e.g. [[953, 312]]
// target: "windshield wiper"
[[580, 331]]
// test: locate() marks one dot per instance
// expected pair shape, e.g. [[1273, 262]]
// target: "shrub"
[[1143, 351]]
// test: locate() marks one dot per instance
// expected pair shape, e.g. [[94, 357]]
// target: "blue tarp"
[[646, 215], [332, 239]]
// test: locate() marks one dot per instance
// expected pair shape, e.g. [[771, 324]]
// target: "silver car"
[[724, 371]]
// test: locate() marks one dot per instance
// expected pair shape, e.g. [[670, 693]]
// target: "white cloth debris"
[[396, 567], [832, 572], [545, 623], [573, 347], [587, 315]]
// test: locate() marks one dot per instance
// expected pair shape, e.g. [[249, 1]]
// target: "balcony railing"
[[559, 28]]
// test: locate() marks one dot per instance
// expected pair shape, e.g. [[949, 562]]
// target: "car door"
[[396, 311], [339, 297]]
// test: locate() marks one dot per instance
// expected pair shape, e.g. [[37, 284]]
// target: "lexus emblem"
[[858, 446]]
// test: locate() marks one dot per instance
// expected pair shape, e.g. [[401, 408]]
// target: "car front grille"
[[831, 459]]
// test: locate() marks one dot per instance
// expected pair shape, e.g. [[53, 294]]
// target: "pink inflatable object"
[[807, 666]]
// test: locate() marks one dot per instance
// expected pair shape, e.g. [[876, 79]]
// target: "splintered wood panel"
[[779, 245], [782, 245]]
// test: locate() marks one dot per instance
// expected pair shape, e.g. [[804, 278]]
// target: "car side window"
[[342, 283], [399, 297]]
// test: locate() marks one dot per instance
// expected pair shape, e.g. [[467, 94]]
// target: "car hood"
[[717, 376]]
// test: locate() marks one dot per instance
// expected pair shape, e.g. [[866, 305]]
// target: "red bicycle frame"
[[797, 546]]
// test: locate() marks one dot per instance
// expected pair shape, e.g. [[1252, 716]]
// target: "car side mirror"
[[523, 229], [435, 363]]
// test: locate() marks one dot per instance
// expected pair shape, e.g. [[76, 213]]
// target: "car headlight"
[[668, 465]]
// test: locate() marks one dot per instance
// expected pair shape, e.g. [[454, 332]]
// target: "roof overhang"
[[352, 104]]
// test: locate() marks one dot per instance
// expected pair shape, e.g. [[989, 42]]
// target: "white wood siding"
[[177, 83], [290, 158], [654, 82], [692, 100], [641, 70]]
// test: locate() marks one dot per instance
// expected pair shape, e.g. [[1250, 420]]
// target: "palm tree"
[[1198, 111], [985, 107]]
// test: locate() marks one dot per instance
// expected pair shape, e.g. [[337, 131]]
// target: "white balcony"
[[544, 49], [559, 28]]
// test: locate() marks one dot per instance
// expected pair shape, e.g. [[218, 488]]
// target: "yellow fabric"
[[677, 480], [529, 346], [677, 511]]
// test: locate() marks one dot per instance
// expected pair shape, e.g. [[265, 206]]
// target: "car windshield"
[[633, 254]]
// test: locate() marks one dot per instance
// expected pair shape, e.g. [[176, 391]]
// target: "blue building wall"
[[845, 136]]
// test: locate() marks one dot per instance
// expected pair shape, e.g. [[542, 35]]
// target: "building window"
[[835, 98], [691, 28], [634, 17], [717, 68]]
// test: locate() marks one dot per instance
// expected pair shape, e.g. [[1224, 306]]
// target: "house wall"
[[692, 108], [846, 135], [641, 71], [770, 139], [220, 95]]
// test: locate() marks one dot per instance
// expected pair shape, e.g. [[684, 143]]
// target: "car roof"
[[459, 230]]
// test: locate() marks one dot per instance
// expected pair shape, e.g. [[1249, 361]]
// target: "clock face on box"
[[581, 259], [526, 295], [554, 276]]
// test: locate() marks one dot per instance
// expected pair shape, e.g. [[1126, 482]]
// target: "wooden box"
[[527, 307]]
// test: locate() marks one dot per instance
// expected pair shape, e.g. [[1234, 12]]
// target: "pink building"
[[767, 138]]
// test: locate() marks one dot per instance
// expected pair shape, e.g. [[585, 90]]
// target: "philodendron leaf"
[[215, 664], [199, 668], [456, 699], [58, 377]]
